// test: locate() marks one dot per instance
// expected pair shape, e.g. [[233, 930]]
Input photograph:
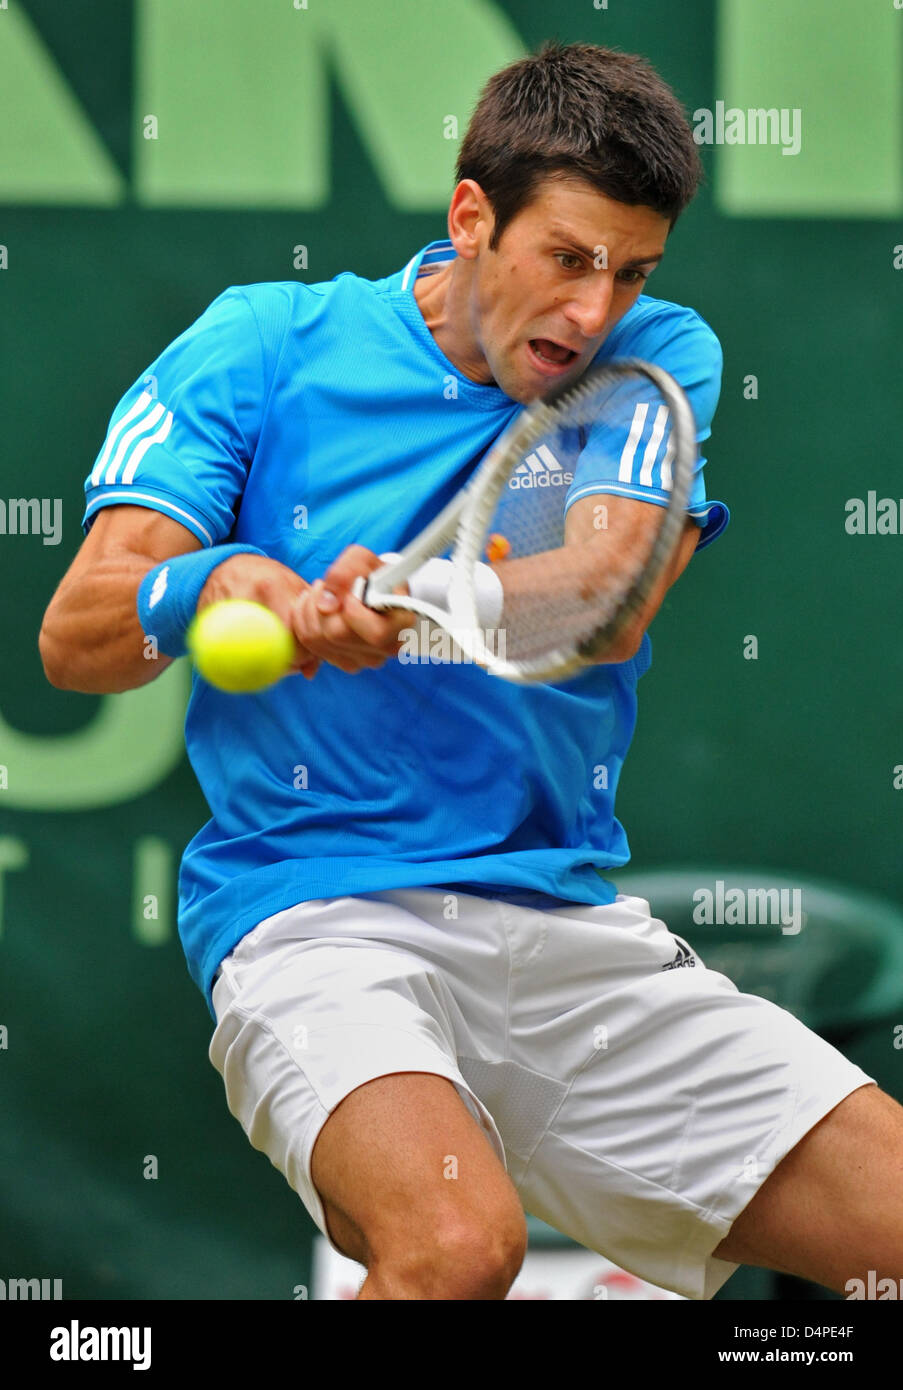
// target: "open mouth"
[[550, 353]]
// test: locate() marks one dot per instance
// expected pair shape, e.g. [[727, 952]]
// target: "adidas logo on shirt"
[[540, 469]]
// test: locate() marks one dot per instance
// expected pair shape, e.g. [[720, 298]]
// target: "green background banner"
[[152, 154]]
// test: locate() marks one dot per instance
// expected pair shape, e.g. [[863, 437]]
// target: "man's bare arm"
[[626, 519], [588, 548], [91, 639], [592, 558]]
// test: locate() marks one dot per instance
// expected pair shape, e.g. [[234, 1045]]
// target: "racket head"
[[571, 446]]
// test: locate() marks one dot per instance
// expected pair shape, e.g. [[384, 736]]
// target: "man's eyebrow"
[[643, 260], [567, 236]]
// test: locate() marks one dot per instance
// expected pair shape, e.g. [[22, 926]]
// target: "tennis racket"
[[557, 602]]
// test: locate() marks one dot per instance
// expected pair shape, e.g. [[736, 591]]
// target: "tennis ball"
[[240, 646]]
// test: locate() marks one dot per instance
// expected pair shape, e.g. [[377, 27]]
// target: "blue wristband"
[[169, 593]]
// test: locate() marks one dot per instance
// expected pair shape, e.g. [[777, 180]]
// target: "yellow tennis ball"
[[240, 646]]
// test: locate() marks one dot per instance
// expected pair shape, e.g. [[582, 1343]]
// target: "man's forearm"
[[564, 592], [91, 640]]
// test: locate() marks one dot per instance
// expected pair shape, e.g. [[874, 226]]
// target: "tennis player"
[[432, 1009]]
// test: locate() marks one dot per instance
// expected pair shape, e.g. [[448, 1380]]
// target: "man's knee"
[[380, 1166], [456, 1258]]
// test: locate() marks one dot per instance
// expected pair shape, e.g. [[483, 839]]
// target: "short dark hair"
[[586, 112]]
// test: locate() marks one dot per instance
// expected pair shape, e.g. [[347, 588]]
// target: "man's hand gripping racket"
[[553, 603]]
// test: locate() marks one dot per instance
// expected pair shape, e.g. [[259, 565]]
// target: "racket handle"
[[430, 583], [361, 584]]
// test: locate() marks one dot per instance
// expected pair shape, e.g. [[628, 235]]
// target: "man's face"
[[566, 269]]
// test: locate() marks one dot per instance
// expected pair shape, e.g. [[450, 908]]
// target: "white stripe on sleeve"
[[652, 448], [667, 477], [141, 449], [138, 408], [143, 426], [625, 471]]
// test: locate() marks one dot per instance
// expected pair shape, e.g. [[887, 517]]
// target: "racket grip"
[[433, 580], [430, 583], [361, 584]]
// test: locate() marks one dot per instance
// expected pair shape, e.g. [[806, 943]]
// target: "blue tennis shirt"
[[304, 418]]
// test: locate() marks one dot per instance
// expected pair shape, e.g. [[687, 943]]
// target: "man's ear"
[[470, 219]]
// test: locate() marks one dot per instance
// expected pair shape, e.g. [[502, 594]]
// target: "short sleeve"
[[632, 456], [182, 437]]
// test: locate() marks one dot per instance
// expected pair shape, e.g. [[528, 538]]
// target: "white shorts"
[[637, 1099]]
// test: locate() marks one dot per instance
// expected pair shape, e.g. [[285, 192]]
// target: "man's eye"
[[638, 276], [574, 259]]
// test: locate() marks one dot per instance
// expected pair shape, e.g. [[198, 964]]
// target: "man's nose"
[[590, 308]]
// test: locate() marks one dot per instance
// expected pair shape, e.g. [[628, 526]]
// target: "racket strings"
[[567, 569]]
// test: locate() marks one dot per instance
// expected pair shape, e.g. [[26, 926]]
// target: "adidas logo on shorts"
[[684, 956], [540, 469]]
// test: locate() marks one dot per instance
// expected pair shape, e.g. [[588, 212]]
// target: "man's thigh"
[[401, 1161], [832, 1210]]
